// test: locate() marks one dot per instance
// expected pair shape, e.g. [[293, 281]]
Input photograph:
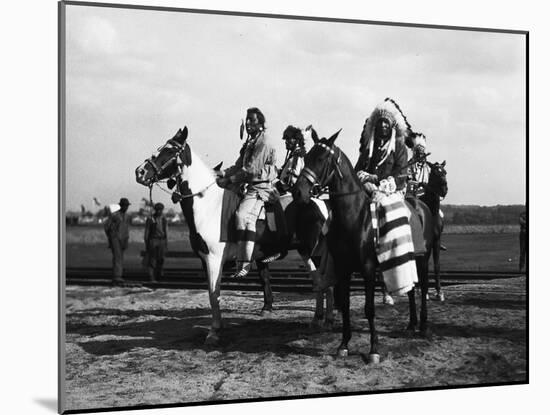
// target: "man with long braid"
[[255, 171]]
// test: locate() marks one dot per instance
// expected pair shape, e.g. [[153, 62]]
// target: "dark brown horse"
[[351, 236], [434, 191]]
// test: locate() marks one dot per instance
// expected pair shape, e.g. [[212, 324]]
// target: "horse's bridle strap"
[[309, 175]]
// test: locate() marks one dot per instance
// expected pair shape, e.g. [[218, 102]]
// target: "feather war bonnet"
[[401, 129]]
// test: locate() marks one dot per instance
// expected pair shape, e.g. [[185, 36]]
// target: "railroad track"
[[282, 279]]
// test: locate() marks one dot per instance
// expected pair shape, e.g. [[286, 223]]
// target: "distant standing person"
[[522, 239], [117, 230], [156, 242]]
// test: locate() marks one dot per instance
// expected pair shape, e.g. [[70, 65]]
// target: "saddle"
[[273, 214]]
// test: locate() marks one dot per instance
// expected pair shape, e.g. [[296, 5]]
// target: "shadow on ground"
[[186, 330]]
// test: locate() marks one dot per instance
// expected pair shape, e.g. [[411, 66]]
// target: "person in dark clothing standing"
[[522, 239], [156, 242], [117, 231]]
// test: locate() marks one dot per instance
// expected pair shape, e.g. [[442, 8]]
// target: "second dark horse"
[[351, 237]]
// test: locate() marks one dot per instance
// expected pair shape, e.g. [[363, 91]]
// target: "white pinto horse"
[[201, 201]]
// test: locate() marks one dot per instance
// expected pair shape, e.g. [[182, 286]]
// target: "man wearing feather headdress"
[[383, 153], [383, 158]]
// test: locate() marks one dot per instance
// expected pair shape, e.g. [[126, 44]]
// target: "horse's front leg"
[[437, 270], [317, 320], [413, 318], [422, 267], [341, 291], [369, 276], [329, 311], [265, 281], [213, 270]]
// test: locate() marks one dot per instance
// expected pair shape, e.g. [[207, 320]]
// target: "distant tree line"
[[482, 215]]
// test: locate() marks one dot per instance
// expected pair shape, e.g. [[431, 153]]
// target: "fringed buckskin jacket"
[[395, 164], [256, 166]]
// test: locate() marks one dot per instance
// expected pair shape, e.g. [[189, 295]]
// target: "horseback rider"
[[294, 160], [254, 171], [419, 171], [383, 161], [382, 152]]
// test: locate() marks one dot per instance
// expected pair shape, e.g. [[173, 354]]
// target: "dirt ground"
[[135, 346]]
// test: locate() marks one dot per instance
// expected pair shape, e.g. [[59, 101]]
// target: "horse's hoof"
[[374, 358], [440, 297], [343, 352], [212, 339], [387, 299], [266, 312]]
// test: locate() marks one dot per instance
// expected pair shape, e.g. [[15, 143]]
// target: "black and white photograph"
[[267, 206]]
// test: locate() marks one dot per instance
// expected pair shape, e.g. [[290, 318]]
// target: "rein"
[[178, 196], [318, 188]]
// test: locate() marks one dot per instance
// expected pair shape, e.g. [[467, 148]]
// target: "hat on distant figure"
[[124, 202], [159, 206]]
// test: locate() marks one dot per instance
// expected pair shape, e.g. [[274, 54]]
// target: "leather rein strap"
[[314, 180]]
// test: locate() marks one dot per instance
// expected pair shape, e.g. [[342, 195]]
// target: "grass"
[[469, 248]]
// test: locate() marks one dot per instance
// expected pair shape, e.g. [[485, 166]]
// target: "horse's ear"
[[444, 162], [333, 138], [181, 135], [314, 135], [218, 166]]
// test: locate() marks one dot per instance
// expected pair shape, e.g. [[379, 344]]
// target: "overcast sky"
[[134, 77]]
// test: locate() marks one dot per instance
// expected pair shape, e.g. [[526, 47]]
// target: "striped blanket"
[[395, 250]]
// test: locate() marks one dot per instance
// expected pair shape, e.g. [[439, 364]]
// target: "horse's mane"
[[345, 160], [349, 165], [199, 174]]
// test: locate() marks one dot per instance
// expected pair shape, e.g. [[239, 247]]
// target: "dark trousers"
[[522, 249], [118, 246], [156, 250]]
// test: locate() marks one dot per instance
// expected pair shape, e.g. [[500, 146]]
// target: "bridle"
[[170, 144], [320, 185], [177, 196]]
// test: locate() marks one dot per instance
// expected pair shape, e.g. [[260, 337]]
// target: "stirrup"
[[442, 247], [243, 272], [270, 258]]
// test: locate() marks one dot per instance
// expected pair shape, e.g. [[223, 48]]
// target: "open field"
[[481, 251], [135, 346]]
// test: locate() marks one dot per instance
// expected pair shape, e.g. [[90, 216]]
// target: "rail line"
[[282, 279]]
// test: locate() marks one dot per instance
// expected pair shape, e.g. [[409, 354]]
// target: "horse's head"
[[320, 164], [438, 178], [167, 161]]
